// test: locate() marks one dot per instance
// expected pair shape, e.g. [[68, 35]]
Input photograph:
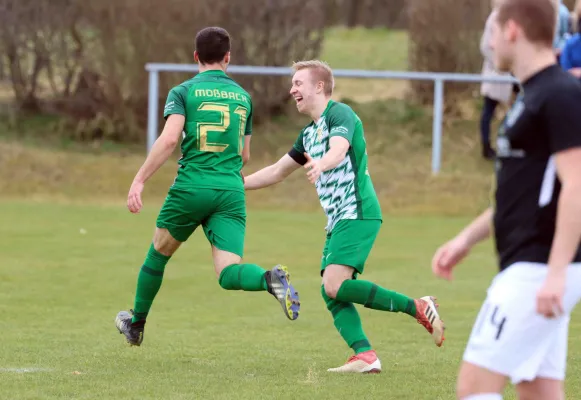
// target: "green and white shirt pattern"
[[345, 192]]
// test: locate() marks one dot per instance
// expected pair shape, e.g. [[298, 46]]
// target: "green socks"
[[372, 296], [347, 321], [148, 283], [247, 277], [346, 318]]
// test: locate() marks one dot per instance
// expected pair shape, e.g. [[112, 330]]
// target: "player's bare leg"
[[541, 388], [233, 275], [475, 382], [132, 323]]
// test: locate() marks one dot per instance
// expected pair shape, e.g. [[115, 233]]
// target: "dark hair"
[[212, 44], [537, 18]]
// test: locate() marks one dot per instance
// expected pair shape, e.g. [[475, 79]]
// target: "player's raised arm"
[[272, 174], [160, 152]]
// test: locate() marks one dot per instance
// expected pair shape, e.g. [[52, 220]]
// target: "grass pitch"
[[67, 269]]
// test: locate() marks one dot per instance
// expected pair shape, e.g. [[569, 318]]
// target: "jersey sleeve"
[[564, 118], [176, 102], [342, 121], [297, 152]]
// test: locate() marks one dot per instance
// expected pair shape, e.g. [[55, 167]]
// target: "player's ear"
[[511, 30], [196, 57], [227, 58], [320, 86]]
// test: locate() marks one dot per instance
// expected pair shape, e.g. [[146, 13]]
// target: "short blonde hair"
[[321, 71]]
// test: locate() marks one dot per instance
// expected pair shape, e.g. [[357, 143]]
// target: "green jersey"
[[218, 115], [345, 192]]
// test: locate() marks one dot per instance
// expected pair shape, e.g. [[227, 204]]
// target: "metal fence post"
[[438, 78], [437, 126], [152, 108]]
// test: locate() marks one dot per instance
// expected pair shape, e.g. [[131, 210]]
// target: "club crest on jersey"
[[319, 134], [504, 147], [514, 113]]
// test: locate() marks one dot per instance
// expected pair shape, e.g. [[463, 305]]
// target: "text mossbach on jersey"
[[221, 94]]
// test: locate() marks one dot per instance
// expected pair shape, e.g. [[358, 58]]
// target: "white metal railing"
[[437, 77]]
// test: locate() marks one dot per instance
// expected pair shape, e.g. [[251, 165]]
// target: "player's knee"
[[164, 243], [475, 383], [468, 390], [223, 259], [331, 284], [223, 279], [541, 388], [333, 278], [331, 289]]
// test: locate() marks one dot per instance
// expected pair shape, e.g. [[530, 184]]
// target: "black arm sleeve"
[[297, 156]]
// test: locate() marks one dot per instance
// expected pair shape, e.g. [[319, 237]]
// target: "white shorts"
[[510, 338]]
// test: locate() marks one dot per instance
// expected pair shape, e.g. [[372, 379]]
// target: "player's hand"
[[550, 296], [134, 203], [313, 168], [448, 256]]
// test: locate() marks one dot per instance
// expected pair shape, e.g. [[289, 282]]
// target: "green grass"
[[368, 49], [361, 48], [70, 259], [60, 290], [399, 146]]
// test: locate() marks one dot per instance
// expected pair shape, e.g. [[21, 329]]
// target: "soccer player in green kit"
[[214, 116], [333, 151]]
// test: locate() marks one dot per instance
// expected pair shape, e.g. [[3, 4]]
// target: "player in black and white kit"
[[521, 331]]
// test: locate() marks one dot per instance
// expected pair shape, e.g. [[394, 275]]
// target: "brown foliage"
[[445, 37], [86, 59], [367, 13]]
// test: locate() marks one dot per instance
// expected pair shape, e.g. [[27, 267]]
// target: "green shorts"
[[349, 243], [222, 214]]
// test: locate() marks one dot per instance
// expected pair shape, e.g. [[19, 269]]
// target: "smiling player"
[[333, 151]]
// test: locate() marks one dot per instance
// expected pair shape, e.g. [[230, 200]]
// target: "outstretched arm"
[[160, 152], [272, 174]]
